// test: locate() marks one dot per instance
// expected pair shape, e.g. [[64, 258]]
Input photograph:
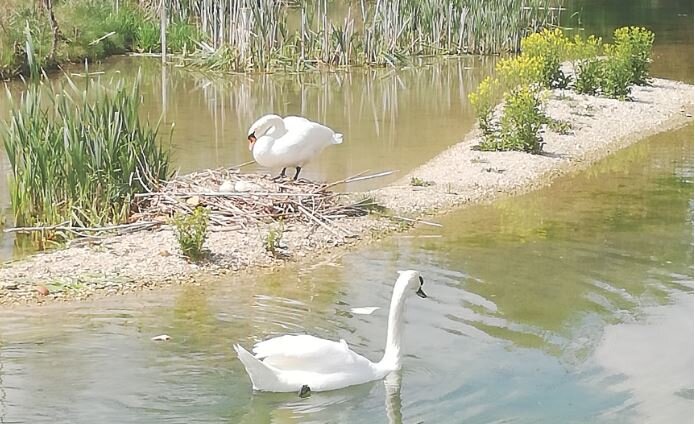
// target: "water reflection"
[[521, 294]]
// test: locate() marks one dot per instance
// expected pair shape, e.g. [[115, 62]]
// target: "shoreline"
[[461, 176]]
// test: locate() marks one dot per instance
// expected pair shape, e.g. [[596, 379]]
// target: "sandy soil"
[[460, 175]]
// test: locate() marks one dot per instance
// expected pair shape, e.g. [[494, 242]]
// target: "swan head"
[[413, 281], [261, 127]]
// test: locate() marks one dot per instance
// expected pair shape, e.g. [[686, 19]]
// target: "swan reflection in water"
[[332, 406]]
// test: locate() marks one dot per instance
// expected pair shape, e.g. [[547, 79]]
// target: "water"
[[572, 304]]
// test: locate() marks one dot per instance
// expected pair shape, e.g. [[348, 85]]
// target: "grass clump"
[[78, 156], [419, 182], [191, 232]]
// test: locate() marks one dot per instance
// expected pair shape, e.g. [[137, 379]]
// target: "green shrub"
[[634, 44], [583, 55], [616, 73], [522, 120], [588, 77], [191, 232], [549, 47], [483, 100]]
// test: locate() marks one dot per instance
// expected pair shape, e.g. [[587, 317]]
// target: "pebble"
[[42, 290]]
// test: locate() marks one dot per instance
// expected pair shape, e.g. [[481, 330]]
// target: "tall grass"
[[244, 35], [78, 156], [258, 34]]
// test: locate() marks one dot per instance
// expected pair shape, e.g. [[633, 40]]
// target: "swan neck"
[[275, 126], [392, 352]]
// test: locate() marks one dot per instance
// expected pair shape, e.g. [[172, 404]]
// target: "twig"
[[141, 224], [434, 224], [318, 221]]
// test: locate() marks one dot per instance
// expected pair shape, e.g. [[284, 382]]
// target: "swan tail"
[[337, 138], [262, 377]]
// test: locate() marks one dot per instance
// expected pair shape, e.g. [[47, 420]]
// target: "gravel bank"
[[460, 175]]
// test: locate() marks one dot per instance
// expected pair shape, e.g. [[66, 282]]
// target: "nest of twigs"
[[237, 200]]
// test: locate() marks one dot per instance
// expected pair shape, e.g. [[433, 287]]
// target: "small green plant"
[[272, 241], [370, 205], [583, 55], [483, 100], [550, 48], [419, 182], [191, 232], [558, 125], [521, 122], [634, 45], [616, 73]]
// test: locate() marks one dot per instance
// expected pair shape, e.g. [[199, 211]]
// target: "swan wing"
[[306, 353], [295, 122], [302, 142]]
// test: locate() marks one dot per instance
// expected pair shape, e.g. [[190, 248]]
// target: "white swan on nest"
[[292, 141], [305, 363]]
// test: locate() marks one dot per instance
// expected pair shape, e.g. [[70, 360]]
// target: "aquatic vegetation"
[[245, 35], [191, 232], [78, 157], [260, 34]]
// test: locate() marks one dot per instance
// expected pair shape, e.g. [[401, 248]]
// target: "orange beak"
[[252, 139]]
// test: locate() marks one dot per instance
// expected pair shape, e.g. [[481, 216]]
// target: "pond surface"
[[571, 304]]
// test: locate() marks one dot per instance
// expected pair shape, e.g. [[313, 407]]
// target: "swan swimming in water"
[[303, 363], [292, 141]]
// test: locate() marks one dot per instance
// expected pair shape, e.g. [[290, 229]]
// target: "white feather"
[[292, 141], [286, 363]]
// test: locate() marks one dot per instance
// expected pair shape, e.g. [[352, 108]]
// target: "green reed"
[[78, 156], [260, 34]]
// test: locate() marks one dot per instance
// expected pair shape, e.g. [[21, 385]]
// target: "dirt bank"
[[460, 175]]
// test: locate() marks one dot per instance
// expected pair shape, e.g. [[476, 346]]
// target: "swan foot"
[[305, 391], [296, 175], [281, 176]]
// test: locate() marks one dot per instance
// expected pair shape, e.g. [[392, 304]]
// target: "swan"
[[304, 363], [292, 141]]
